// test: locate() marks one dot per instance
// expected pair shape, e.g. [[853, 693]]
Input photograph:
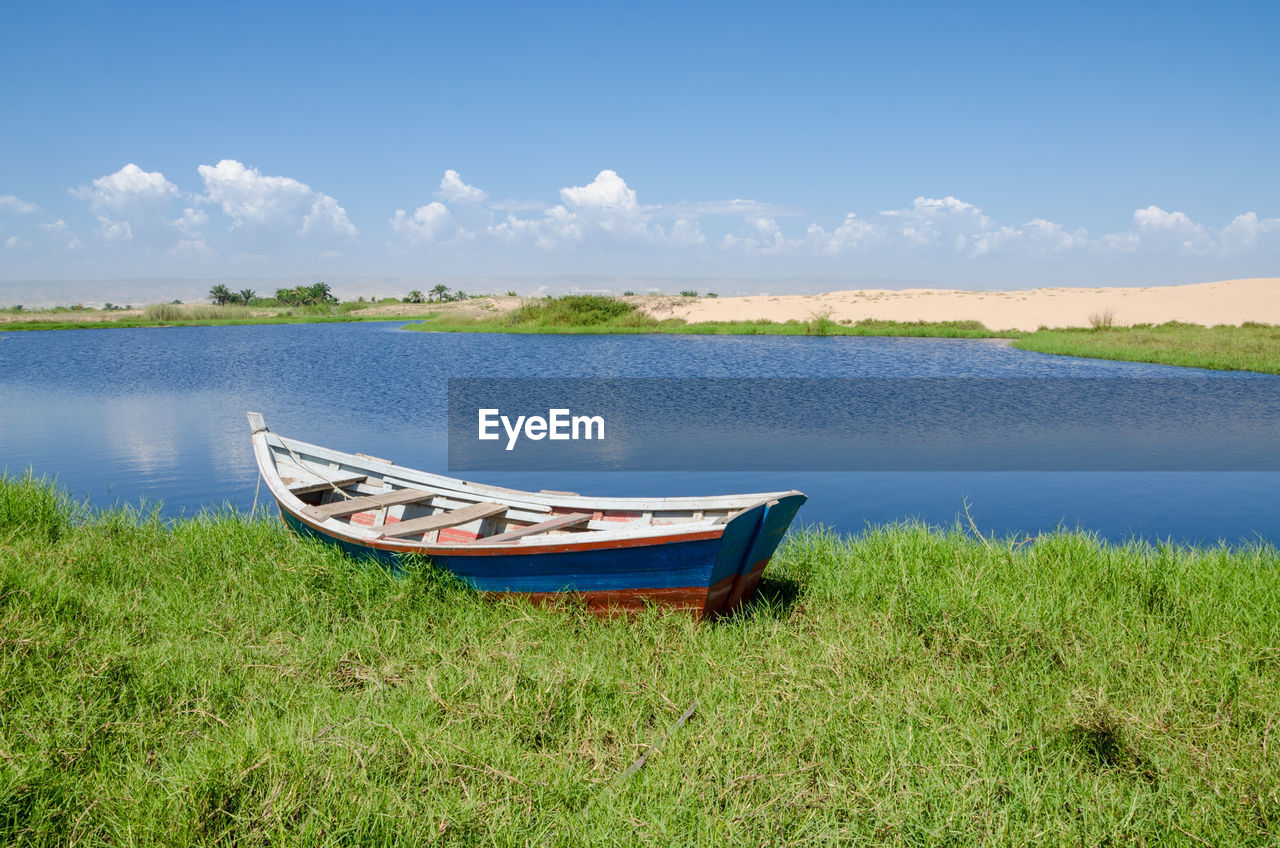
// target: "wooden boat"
[[704, 555]]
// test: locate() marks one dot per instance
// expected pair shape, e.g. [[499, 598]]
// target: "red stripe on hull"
[[695, 600], [745, 586]]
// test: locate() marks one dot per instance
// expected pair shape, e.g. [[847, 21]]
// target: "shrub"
[[1102, 320], [578, 310], [820, 324], [688, 293]]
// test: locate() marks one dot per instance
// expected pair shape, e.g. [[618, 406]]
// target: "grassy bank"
[[218, 681], [586, 314], [1252, 347], [182, 315]]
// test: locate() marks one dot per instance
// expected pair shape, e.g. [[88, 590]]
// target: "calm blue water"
[[158, 414]]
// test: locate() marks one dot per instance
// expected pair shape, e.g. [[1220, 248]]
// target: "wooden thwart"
[[557, 523], [439, 521], [364, 503], [341, 483]]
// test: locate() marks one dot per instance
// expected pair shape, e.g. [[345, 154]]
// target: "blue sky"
[[1005, 145]]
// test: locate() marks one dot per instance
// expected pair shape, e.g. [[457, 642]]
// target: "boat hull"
[[706, 572]]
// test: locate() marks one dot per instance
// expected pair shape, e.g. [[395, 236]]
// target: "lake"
[[157, 414]]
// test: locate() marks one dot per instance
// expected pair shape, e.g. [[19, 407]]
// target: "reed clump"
[[216, 680], [198, 312]]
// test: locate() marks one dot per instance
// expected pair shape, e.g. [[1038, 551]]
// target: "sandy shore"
[[1225, 302]]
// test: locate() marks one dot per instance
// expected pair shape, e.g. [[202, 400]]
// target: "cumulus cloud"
[[454, 190], [15, 243], [326, 217], [606, 191], [946, 222], [606, 213], [852, 235], [126, 189], [428, 223], [606, 208], [251, 199], [17, 204], [1248, 230]]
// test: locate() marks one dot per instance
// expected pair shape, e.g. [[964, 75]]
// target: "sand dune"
[[1225, 302]]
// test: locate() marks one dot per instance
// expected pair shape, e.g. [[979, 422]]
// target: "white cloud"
[[427, 224], [130, 187], [454, 190], [15, 243], [605, 208], [327, 217], [1156, 231], [249, 198], [1245, 231], [1037, 237], [852, 235], [607, 191], [558, 226], [17, 204], [944, 223]]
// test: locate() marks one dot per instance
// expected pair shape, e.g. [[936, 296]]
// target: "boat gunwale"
[[599, 539], [728, 502]]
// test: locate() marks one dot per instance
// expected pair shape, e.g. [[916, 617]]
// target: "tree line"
[[316, 294], [319, 294]]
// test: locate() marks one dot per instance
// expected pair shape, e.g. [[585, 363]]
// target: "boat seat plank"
[[557, 523], [439, 521], [365, 503], [341, 483]]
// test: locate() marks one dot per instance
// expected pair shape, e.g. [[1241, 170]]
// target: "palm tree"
[[439, 291], [246, 296], [221, 295], [319, 293], [415, 296]]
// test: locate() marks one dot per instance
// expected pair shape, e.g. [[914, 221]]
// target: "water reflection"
[[159, 413]]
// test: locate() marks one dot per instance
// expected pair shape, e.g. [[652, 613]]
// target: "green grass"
[[586, 314], [217, 681], [1252, 347], [198, 315]]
